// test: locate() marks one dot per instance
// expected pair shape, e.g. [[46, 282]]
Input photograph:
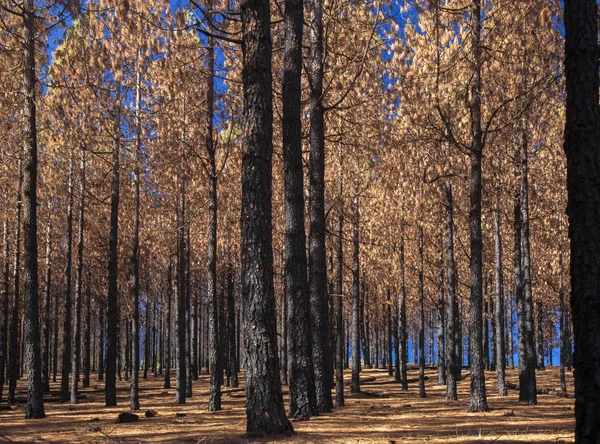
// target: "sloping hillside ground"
[[400, 417]]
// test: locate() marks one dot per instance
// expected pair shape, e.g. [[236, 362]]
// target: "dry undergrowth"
[[403, 417]]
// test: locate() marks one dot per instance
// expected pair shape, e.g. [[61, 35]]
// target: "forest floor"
[[400, 418]]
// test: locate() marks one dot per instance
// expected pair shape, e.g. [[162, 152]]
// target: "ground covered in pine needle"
[[401, 417]]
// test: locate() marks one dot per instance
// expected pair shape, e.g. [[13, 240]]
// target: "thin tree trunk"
[[441, 346], [540, 335], [403, 325], [13, 350], [67, 314], [422, 393], [355, 382], [499, 315], [265, 412], [451, 355], [76, 355], [113, 302], [5, 285], [339, 387], [167, 383], [47, 309], [101, 344]]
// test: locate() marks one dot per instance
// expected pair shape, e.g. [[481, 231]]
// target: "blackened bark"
[[478, 401], [167, 364], [355, 382], [303, 403], [264, 402], [47, 307], [581, 145], [134, 261], [87, 335], [231, 330], [451, 325], [181, 370], [13, 347], [112, 300], [147, 310], [421, 289], [389, 334], [76, 355], [101, 343], [4, 308], [499, 306], [540, 335], [317, 255], [526, 265], [441, 321], [562, 318], [339, 385], [33, 364], [283, 345], [403, 326], [54, 336], [67, 314]]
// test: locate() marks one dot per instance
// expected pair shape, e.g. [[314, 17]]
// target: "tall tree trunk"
[[478, 401], [403, 322], [264, 402], [188, 318], [134, 261], [389, 334], [67, 314], [55, 336], [499, 315], [101, 343], [13, 347], [47, 307], [87, 334], [303, 402], [147, 310], [5, 285], [284, 325], [113, 302], [167, 383], [355, 382], [441, 318], [181, 369], [526, 263], [421, 289], [451, 325], [339, 385], [35, 390], [581, 145], [76, 355], [317, 256]]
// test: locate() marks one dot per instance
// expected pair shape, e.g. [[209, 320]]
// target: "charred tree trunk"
[[422, 393], [339, 384], [33, 364], [317, 255], [403, 326], [499, 306], [231, 330], [303, 401], [5, 285], [441, 346], [67, 314], [101, 343], [451, 285], [581, 145], [390, 361], [76, 356], [13, 348], [87, 335], [355, 382], [113, 302], [265, 412], [478, 401], [148, 309], [529, 331], [167, 383], [540, 335], [47, 307]]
